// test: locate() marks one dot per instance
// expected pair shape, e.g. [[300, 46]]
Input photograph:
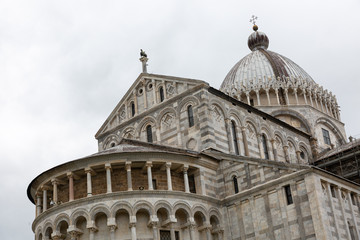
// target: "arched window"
[[132, 109], [190, 116], [149, 134], [161, 93], [264, 143], [233, 129], [236, 186]]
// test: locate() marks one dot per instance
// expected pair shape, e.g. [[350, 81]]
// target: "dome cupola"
[[258, 40]]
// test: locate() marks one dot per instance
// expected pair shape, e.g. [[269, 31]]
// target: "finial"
[[143, 59], [253, 21]]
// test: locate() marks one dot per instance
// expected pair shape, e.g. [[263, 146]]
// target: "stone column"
[[168, 176], [274, 149], [296, 96], [192, 227], [220, 234], [155, 230], [311, 101], [186, 179], [164, 87], [70, 176], [330, 197], [287, 158], [154, 91], [92, 231], [277, 96], [135, 102], [112, 229], [208, 232], [133, 231], [88, 172], [149, 175], [268, 96], [321, 103], [128, 174], [287, 96], [258, 98], [248, 98], [55, 190], [270, 152], [44, 198], [108, 178], [246, 147], [74, 232], [304, 93], [144, 94], [353, 214], [172, 232], [261, 150], [228, 132], [38, 204], [298, 157]]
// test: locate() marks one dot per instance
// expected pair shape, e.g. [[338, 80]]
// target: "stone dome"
[[262, 66]]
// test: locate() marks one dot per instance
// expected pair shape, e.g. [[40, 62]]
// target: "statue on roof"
[[142, 53]]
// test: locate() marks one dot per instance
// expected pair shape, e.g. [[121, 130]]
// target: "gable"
[[146, 92]]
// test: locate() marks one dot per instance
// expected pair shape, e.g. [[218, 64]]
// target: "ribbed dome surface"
[[262, 65]]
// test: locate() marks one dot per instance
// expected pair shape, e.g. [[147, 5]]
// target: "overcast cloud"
[[64, 65]]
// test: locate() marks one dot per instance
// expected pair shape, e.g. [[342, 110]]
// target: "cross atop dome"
[[253, 21]]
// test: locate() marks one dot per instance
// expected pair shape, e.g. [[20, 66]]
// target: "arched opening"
[[235, 142], [40, 237], [80, 223], [200, 220], [215, 227], [122, 219], [48, 233], [265, 147], [161, 94], [182, 216], [235, 184], [102, 229], [143, 231], [149, 134], [190, 115], [62, 228]]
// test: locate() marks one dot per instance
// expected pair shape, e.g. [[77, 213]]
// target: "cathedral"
[[180, 160]]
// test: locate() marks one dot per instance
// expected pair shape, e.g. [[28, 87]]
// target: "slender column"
[[261, 150], [274, 149], [220, 234], [38, 204], [298, 156], [192, 227], [296, 96], [271, 153], [172, 232], [168, 176], [316, 100], [287, 158], [144, 94], [353, 214], [268, 96], [228, 132], [258, 98], [44, 198], [246, 147], [108, 178], [287, 96], [149, 175], [326, 107], [128, 174], [208, 232], [341, 201], [186, 179], [321, 103], [112, 229], [155, 230], [164, 86], [311, 100], [55, 190], [277, 96], [133, 231], [74, 234], [304, 93], [135, 102], [88, 183], [92, 231], [70, 176], [154, 91], [248, 98]]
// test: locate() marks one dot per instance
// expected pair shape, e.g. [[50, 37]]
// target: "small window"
[[161, 93], [302, 155], [264, 142], [332, 190], [353, 199], [326, 136], [149, 134], [192, 187], [236, 186], [112, 145], [154, 184], [190, 116], [233, 128], [252, 102], [132, 109], [288, 195]]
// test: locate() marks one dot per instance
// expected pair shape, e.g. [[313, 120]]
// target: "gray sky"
[[64, 65]]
